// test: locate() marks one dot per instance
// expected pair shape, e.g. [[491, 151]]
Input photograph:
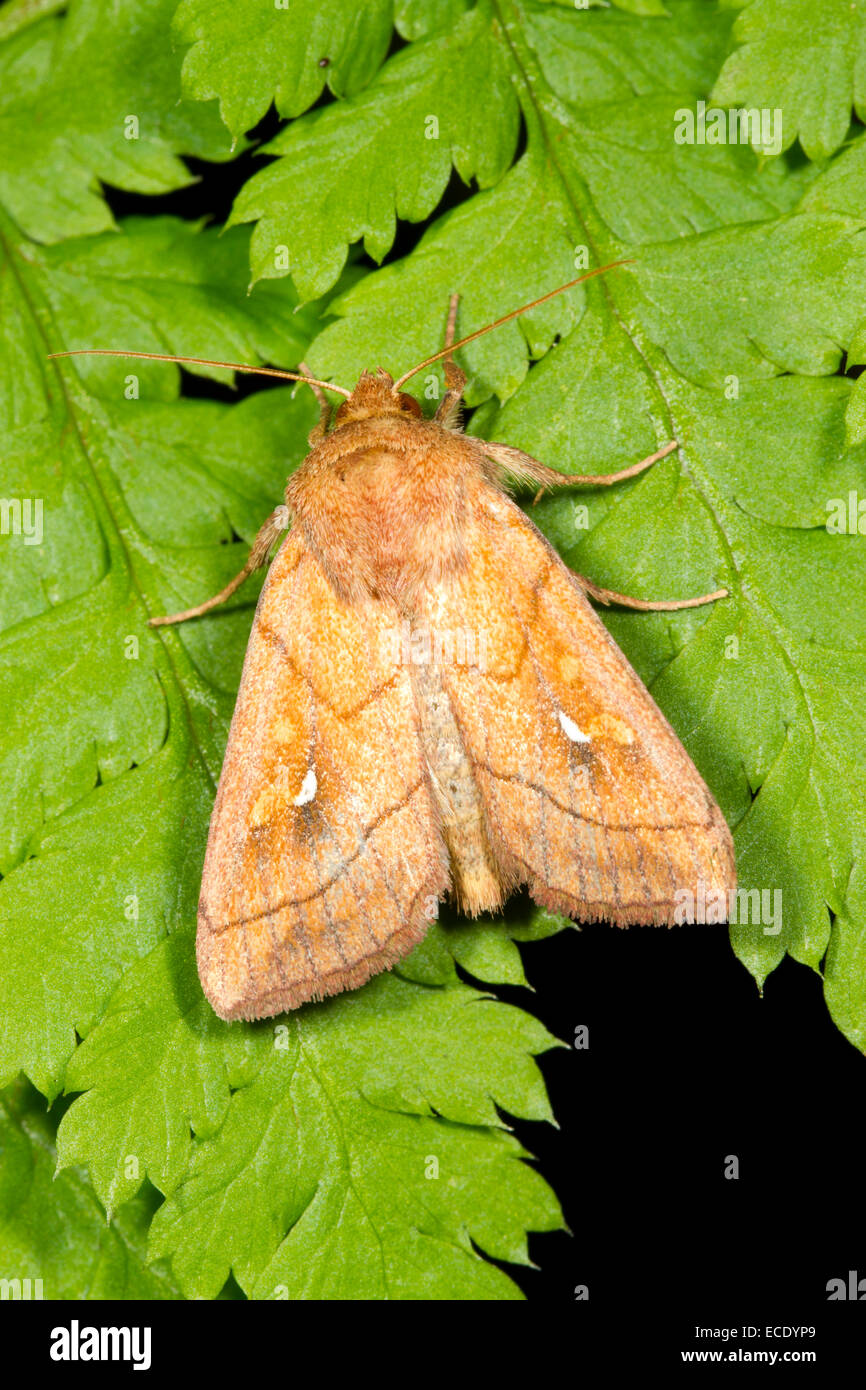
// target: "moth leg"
[[258, 556], [607, 596], [605, 479], [321, 429], [525, 469], [455, 379]]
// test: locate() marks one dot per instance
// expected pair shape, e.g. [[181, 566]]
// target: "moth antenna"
[[600, 270], [204, 362]]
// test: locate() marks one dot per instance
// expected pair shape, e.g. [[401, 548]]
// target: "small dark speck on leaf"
[[324, 62]]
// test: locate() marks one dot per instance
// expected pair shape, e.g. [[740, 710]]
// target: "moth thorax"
[[386, 518]]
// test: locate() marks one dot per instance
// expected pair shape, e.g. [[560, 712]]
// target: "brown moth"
[[430, 706]]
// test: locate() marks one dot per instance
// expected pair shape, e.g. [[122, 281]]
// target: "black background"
[[687, 1063]]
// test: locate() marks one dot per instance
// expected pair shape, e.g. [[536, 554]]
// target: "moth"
[[430, 706]]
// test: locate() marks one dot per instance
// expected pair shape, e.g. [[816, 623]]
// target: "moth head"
[[374, 396]]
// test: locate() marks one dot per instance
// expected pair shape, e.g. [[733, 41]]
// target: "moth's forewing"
[[324, 861], [591, 798]]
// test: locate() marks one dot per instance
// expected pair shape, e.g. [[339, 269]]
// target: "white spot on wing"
[[571, 730], [309, 786]]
